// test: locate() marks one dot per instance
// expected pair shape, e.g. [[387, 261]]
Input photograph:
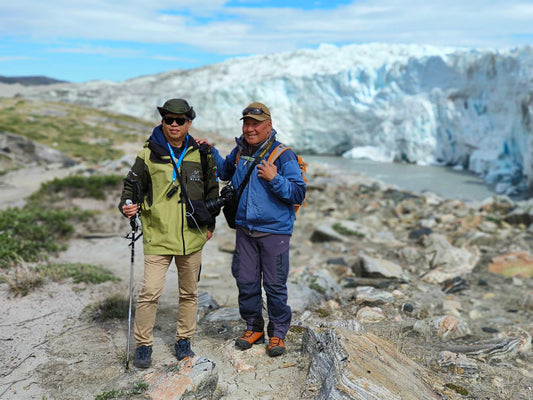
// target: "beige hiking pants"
[[155, 269]]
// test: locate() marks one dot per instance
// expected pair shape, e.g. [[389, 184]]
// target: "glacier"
[[468, 108]]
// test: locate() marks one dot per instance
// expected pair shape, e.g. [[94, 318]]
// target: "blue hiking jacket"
[[264, 206]]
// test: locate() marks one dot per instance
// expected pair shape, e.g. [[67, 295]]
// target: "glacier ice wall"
[[423, 104]]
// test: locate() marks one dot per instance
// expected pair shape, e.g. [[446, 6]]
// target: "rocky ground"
[[395, 296]]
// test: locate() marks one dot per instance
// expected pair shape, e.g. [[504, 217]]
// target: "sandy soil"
[[49, 350]]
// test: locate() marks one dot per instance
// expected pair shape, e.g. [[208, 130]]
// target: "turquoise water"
[[443, 181]]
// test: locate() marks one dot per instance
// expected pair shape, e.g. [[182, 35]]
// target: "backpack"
[[278, 150]]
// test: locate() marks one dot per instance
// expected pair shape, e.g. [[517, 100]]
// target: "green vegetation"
[[314, 285], [94, 186], [345, 231], [138, 388], [115, 306], [80, 273], [29, 233], [299, 330], [82, 133], [458, 389], [322, 312], [21, 280]]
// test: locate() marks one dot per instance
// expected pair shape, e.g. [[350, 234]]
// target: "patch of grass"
[[79, 272], [299, 330], [82, 133], [458, 389], [28, 234], [345, 231], [322, 312], [314, 285], [94, 186], [138, 388], [115, 306], [22, 280], [494, 219]]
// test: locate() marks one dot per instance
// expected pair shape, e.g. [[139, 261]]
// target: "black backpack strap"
[[257, 161], [205, 150]]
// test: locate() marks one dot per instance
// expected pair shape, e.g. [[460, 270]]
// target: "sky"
[[83, 40]]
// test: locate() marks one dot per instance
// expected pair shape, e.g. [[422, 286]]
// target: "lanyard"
[[178, 163]]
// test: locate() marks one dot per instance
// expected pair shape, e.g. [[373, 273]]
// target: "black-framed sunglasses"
[[179, 120], [254, 111]]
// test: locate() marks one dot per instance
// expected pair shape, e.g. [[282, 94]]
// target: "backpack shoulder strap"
[[278, 150], [204, 152]]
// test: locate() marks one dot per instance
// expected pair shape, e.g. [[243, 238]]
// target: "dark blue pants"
[[263, 260]]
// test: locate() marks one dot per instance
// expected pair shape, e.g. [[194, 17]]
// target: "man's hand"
[[129, 211], [209, 235], [266, 170], [204, 141]]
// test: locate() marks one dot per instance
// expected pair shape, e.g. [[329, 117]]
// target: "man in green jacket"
[[175, 179]]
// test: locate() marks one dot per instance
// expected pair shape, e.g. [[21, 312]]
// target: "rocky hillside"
[[29, 80]]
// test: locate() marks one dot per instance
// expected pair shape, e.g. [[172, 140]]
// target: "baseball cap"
[[257, 111]]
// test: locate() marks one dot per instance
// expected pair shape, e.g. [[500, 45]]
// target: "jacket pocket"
[[282, 267]]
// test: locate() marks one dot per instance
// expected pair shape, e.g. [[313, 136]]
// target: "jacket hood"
[[158, 137]]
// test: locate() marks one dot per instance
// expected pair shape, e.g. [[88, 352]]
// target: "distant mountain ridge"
[[29, 80], [464, 107]]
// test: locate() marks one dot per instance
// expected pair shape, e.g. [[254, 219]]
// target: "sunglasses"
[[254, 111], [179, 120]]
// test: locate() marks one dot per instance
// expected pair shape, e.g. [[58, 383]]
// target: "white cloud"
[[210, 25], [15, 58], [171, 58], [98, 50]]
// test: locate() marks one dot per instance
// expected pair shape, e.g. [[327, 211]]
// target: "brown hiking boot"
[[276, 347], [248, 339]]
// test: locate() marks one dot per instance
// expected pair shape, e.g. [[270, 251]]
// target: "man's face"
[[254, 131], [174, 132]]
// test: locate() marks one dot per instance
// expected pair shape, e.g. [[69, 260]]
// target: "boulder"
[[345, 364], [193, 378], [446, 261], [519, 264], [380, 268]]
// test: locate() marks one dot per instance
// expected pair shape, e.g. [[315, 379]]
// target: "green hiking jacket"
[[165, 229]]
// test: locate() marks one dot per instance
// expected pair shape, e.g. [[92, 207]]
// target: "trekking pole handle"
[[135, 221]]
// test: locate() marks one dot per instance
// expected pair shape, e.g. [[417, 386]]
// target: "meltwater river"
[[443, 181]]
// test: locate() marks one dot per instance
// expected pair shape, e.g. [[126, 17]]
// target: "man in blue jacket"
[[264, 224]]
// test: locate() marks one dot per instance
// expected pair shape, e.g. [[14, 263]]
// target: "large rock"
[[352, 365], [195, 378], [522, 214], [380, 267], [446, 261], [16, 150], [517, 263]]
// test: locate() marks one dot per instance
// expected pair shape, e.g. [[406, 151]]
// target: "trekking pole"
[[135, 225]]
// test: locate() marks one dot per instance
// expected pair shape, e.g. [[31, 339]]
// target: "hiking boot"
[[183, 349], [275, 347], [143, 357], [249, 338]]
